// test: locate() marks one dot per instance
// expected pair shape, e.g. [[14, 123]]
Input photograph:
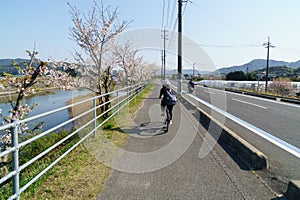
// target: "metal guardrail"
[[293, 189], [120, 99], [236, 86], [278, 142]]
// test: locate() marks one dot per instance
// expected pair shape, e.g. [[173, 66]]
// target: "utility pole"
[[194, 69], [267, 45], [179, 87], [247, 71], [162, 65], [164, 54]]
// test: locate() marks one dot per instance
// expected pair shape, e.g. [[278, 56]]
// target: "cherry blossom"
[[36, 74]]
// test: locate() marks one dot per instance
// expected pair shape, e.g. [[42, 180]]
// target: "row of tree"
[[100, 53], [95, 34]]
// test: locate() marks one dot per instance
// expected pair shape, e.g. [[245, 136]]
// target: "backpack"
[[170, 98]]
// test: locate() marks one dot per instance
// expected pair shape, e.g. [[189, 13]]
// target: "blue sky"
[[231, 32]]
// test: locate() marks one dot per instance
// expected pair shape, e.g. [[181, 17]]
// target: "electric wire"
[[168, 12], [176, 21], [184, 8], [163, 15], [172, 15], [221, 21]]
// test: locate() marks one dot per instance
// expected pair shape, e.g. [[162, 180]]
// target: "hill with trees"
[[274, 72], [257, 64], [6, 65]]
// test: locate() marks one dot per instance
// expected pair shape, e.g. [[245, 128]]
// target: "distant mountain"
[[7, 66], [257, 64], [8, 62], [278, 71]]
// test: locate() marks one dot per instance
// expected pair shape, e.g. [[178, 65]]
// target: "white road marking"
[[267, 100], [245, 102], [209, 92], [278, 142], [259, 98]]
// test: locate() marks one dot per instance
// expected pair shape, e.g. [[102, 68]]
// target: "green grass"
[[30, 151], [81, 174]]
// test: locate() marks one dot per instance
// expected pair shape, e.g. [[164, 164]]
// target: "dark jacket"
[[163, 94], [192, 84]]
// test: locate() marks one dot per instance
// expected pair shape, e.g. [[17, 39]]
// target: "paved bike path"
[[158, 165]]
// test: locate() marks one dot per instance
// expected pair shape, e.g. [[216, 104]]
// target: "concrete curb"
[[293, 191], [251, 156]]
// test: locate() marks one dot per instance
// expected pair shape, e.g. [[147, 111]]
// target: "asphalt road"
[[279, 119], [176, 164]]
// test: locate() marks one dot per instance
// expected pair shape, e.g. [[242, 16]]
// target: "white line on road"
[[234, 99], [267, 100], [278, 142], [209, 92]]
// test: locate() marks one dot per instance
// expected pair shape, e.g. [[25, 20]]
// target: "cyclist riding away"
[[191, 86], [166, 92]]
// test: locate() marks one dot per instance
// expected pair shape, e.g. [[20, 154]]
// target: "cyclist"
[[164, 104], [191, 86]]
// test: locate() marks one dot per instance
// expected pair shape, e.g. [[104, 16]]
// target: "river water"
[[57, 99]]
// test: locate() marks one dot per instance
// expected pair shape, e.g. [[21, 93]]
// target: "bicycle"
[[190, 88], [167, 119]]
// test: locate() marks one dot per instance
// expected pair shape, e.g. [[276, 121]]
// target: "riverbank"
[[3, 93], [78, 109], [8, 96], [80, 175]]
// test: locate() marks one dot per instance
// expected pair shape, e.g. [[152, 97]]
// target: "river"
[[57, 99]]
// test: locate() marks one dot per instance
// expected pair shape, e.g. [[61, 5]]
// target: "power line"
[[168, 12], [219, 46], [185, 7], [172, 15], [220, 20], [163, 15], [287, 49], [176, 20], [166, 18]]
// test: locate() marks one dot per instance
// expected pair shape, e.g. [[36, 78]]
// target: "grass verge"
[[81, 175]]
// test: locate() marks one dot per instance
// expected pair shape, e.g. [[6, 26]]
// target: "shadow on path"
[[146, 129]]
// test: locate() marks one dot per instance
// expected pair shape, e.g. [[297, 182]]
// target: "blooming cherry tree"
[[35, 74], [128, 60], [281, 86], [94, 34]]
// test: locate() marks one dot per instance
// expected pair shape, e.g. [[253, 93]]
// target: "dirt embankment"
[[81, 108]]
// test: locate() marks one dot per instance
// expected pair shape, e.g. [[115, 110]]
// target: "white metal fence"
[[252, 85], [119, 99]]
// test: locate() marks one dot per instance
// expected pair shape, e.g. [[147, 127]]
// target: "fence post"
[[15, 159], [118, 106], [95, 115], [128, 94]]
